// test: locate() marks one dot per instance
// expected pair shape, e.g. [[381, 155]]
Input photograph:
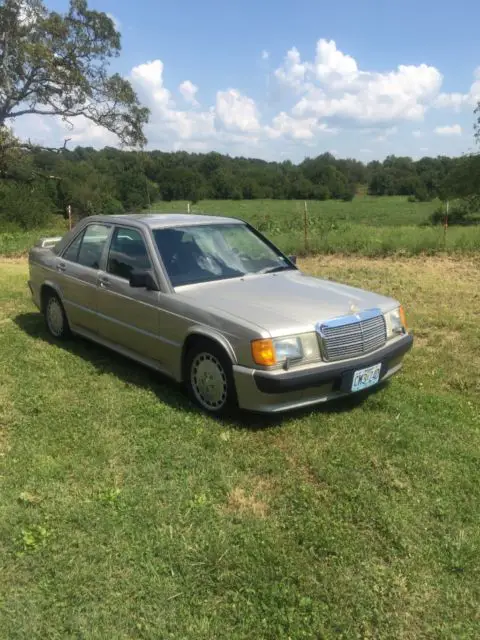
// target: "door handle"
[[104, 282], [61, 266]]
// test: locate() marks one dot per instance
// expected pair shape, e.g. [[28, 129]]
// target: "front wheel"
[[209, 378]]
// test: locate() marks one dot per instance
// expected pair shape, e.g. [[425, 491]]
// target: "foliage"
[[463, 179], [460, 212], [368, 226], [357, 519], [25, 206], [114, 181], [57, 64]]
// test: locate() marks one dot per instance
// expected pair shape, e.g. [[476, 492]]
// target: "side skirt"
[[147, 362]]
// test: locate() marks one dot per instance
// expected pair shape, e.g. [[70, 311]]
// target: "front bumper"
[[280, 390]]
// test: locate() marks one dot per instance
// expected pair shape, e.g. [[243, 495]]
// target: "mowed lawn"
[[126, 513]]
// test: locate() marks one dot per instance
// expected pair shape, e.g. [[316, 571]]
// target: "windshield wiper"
[[281, 267]]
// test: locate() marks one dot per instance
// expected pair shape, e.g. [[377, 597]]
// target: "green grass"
[[17, 243], [125, 513], [367, 226], [369, 210]]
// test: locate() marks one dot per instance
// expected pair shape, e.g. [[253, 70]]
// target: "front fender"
[[216, 336]]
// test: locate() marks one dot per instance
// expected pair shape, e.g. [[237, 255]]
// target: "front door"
[[128, 316], [77, 275]]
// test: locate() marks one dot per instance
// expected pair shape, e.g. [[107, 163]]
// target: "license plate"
[[364, 378]]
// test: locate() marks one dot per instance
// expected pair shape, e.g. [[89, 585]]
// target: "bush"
[[25, 206], [421, 194], [112, 206], [461, 212], [321, 192]]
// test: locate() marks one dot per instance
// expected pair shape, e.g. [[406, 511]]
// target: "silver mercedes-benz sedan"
[[212, 303]]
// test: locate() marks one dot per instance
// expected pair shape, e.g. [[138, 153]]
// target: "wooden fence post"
[[305, 225], [445, 226]]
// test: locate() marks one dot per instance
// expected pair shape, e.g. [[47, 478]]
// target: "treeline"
[[35, 183]]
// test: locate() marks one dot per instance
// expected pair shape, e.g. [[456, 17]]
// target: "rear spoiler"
[[48, 243]]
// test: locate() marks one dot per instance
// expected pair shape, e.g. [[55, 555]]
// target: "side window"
[[72, 252], [91, 247], [128, 253]]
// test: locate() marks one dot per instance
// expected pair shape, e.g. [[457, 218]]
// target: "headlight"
[[296, 348], [288, 349], [396, 322]]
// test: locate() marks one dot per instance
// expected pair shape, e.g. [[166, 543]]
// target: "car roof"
[[165, 220]]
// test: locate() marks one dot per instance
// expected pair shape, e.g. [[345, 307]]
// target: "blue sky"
[[278, 80]]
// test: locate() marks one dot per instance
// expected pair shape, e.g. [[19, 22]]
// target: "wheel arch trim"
[[199, 331]]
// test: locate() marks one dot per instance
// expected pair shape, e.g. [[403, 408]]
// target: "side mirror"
[[293, 259], [143, 279]]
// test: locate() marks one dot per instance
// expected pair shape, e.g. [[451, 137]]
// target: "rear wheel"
[[209, 378], [55, 318]]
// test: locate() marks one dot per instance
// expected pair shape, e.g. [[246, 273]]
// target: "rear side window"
[[128, 253], [87, 248], [72, 252]]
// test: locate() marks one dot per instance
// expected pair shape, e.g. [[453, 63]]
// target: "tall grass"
[[367, 226], [380, 241], [16, 243], [370, 210]]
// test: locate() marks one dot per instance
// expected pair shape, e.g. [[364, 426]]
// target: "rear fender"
[[49, 284]]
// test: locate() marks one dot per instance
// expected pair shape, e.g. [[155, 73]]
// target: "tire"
[[55, 317], [209, 378]]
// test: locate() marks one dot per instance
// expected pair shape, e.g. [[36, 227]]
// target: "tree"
[[57, 65]]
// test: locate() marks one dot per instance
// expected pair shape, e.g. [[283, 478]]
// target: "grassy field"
[[367, 226], [369, 210], [125, 513]]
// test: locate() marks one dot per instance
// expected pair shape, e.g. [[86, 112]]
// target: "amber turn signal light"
[[263, 352]]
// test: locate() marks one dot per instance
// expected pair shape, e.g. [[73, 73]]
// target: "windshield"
[[204, 253]]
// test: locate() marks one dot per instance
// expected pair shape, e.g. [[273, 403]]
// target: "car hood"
[[286, 302]]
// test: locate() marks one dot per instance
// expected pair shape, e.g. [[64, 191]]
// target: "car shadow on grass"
[[168, 391]]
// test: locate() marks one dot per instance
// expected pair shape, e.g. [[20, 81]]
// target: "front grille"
[[353, 336]]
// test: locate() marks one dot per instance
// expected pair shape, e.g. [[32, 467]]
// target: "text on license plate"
[[364, 378]]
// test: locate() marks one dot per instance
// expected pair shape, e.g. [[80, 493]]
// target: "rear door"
[[77, 275], [128, 316]]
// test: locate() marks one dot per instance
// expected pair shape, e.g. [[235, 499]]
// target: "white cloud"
[[236, 112], [189, 91], [333, 86], [53, 131], [148, 79], [451, 100], [322, 92], [456, 100], [293, 72], [333, 67], [449, 130], [265, 55], [297, 129]]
